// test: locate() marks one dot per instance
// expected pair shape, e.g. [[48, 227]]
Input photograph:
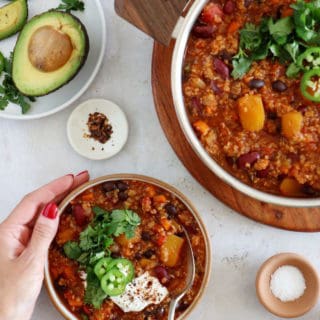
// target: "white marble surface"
[[32, 153]]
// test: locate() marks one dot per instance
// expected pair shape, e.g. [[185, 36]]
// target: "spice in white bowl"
[[287, 283]]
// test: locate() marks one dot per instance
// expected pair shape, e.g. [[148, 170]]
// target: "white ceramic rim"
[[176, 86], [163, 185], [82, 90]]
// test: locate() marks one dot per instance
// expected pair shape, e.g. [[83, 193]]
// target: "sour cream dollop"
[[140, 293]]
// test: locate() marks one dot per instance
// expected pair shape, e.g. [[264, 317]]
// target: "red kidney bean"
[[161, 273], [215, 87], [79, 215], [262, 173], [247, 159], [204, 31], [229, 7], [221, 68], [196, 104]]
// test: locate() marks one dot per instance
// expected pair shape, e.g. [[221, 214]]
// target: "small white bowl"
[[78, 133]]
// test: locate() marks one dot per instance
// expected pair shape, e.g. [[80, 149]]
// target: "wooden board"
[[155, 17], [281, 217]]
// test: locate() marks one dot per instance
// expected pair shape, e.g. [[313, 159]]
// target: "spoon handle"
[[172, 308]]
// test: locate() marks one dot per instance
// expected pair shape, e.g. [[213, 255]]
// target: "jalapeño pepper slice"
[[102, 267], [310, 85], [309, 59], [113, 283], [125, 267]]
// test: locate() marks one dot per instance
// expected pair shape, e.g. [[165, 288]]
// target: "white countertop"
[[35, 152]]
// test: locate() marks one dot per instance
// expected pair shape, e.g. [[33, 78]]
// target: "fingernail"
[[70, 175], [50, 211], [81, 173]]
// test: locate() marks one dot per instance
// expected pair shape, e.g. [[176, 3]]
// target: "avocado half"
[[13, 17], [50, 51]]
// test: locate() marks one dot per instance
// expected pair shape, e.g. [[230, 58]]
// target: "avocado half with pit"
[[50, 51], [13, 16]]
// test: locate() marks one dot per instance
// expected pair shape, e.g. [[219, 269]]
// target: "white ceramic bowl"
[[48, 282], [94, 21], [182, 33]]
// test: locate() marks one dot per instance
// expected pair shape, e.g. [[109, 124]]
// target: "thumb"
[[44, 230]]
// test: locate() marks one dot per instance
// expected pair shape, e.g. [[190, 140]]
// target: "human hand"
[[25, 237]]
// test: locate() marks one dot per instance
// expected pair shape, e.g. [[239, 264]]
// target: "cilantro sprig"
[[94, 243], [283, 39], [8, 90], [71, 5]]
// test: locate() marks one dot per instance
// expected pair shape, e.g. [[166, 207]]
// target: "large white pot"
[[181, 34]]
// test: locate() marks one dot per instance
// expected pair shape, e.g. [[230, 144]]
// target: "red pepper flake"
[[99, 127]]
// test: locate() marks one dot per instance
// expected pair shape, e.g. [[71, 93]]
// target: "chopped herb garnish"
[[94, 243], [71, 5], [283, 39], [8, 90]]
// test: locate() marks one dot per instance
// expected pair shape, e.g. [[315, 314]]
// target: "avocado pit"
[[49, 49]]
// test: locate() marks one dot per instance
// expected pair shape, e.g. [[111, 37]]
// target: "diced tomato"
[[211, 12]]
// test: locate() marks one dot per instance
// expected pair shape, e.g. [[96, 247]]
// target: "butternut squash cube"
[[291, 187], [251, 112], [170, 250], [292, 123]]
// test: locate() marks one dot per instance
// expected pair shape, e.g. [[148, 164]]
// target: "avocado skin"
[[83, 60], [19, 26]]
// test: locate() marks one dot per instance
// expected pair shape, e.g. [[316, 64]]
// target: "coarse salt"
[[287, 283]]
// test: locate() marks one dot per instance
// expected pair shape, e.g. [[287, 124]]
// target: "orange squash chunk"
[[251, 112], [170, 250], [292, 123], [291, 187]]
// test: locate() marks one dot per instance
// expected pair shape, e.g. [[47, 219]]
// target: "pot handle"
[[157, 18]]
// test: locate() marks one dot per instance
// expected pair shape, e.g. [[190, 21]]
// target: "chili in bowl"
[[118, 252], [245, 86]]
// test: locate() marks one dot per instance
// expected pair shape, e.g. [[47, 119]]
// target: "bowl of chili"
[[244, 80], [117, 234]]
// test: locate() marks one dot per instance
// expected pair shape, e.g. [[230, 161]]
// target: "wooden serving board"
[[295, 219]]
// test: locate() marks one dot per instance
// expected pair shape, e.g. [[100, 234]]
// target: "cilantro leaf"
[[72, 250], [281, 29], [71, 5], [94, 294]]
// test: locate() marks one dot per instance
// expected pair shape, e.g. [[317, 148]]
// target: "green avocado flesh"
[[50, 51], [13, 16]]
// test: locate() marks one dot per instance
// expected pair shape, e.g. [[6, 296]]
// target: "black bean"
[[183, 306], [279, 86], [122, 186], [248, 159], [256, 84], [310, 191], [262, 173], [138, 256], [149, 253], [231, 161], [109, 186], [123, 196], [171, 210], [272, 115], [115, 255], [146, 236], [225, 55]]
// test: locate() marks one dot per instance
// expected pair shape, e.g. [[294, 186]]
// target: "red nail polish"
[[81, 173], [50, 211]]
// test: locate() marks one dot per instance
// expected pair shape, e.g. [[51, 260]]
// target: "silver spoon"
[[190, 278]]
